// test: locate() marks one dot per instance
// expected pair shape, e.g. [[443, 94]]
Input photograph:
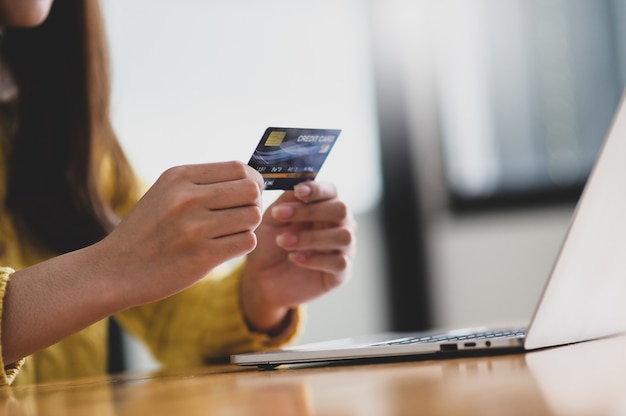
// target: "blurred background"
[[469, 129]]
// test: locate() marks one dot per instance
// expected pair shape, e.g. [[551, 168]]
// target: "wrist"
[[106, 277], [260, 315], [272, 327]]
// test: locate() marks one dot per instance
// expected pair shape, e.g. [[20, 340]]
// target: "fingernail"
[[297, 257], [302, 190], [287, 240], [282, 212]]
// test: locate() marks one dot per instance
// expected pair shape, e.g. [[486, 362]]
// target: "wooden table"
[[582, 379]]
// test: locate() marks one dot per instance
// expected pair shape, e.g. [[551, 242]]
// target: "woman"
[[79, 245]]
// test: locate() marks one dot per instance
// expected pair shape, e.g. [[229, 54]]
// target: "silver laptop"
[[584, 298]]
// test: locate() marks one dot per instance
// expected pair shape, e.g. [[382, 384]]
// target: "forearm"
[[47, 302]]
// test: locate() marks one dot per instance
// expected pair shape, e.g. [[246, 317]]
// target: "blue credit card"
[[287, 156]]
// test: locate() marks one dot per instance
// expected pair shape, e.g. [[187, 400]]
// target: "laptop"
[[584, 297]]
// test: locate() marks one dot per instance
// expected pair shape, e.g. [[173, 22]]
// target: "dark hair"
[[61, 70]]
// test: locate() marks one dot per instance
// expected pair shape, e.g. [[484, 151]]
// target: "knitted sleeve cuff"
[[204, 322], [10, 371], [231, 328]]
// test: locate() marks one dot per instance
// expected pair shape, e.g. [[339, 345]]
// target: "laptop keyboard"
[[448, 337]]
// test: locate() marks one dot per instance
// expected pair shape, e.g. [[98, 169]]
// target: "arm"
[[158, 250]]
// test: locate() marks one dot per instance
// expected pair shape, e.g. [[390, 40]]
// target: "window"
[[527, 92]]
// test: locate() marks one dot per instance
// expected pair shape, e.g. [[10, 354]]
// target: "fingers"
[[314, 191], [319, 239], [192, 204], [228, 222], [215, 186], [333, 211], [323, 222], [319, 231], [230, 194], [335, 267], [328, 250], [310, 202], [211, 173]]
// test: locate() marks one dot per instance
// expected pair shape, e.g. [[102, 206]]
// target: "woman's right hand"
[[192, 219]]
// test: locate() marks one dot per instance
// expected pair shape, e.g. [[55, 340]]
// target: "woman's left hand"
[[306, 245]]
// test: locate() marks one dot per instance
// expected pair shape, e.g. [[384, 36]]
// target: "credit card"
[[287, 156]]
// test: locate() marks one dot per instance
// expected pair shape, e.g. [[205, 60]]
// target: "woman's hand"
[[192, 219], [306, 244]]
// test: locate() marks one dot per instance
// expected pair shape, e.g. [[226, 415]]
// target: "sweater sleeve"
[[203, 323], [10, 371]]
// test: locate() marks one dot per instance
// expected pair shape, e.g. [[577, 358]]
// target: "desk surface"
[[582, 379]]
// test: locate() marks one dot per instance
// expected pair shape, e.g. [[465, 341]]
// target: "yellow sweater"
[[203, 322]]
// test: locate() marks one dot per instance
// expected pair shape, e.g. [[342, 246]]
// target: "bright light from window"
[[198, 81]]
